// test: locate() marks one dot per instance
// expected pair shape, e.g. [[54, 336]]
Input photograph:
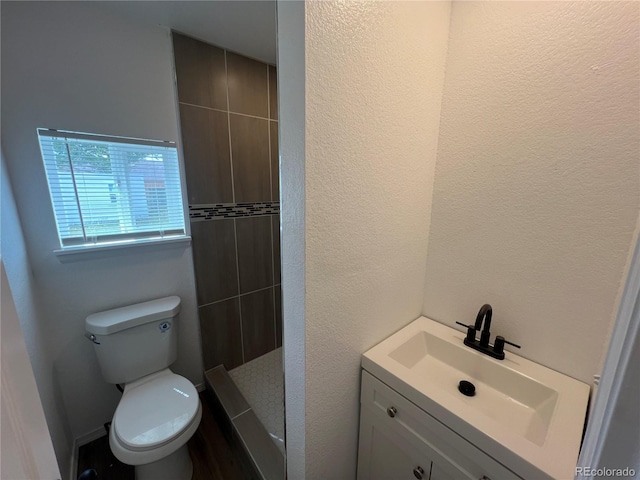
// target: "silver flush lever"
[[92, 337]]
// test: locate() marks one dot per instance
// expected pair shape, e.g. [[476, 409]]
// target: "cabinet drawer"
[[454, 456]]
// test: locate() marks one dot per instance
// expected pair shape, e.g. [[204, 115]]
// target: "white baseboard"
[[73, 467], [90, 437]]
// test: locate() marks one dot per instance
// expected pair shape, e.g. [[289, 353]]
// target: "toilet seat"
[[154, 410]]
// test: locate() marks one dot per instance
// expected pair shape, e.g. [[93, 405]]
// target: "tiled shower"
[[229, 129]]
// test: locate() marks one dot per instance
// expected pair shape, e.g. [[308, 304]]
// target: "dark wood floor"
[[97, 455], [211, 454]]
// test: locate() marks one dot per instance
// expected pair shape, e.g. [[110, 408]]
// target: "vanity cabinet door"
[[452, 472], [438, 474], [454, 456], [385, 455]]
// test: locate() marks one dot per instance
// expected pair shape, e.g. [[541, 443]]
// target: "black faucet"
[[484, 316]]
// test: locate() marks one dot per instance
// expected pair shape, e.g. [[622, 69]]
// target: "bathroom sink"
[[517, 402], [526, 416]]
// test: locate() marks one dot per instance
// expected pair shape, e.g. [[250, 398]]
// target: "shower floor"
[[261, 383]]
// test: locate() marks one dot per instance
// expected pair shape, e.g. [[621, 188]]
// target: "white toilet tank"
[[136, 340]]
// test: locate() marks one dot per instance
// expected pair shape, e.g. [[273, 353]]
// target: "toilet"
[[159, 410]]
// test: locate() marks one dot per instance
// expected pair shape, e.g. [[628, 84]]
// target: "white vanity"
[[524, 421]]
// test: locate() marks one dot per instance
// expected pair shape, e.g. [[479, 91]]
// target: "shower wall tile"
[[205, 143], [254, 253], [273, 93], [275, 161], [220, 330], [200, 72], [278, 308], [214, 259], [228, 117], [275, 226], [248, 92], [258, 326], [250, 153]]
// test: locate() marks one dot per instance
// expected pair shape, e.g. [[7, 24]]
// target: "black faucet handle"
[[512, 344], [498, 345], [465, 325], [471, 332]]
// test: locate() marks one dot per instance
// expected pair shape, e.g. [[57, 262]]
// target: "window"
[[112, 189]]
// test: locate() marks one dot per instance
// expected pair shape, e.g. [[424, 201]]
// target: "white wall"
[[70, 66], [373, 83], [291, 115], [537, 185], [27, 449], [33, 322]]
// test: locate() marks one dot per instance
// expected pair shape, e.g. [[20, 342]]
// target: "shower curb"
[[265, 457]]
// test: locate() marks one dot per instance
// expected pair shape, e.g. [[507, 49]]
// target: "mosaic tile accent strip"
[[216, 211], [261, 383]]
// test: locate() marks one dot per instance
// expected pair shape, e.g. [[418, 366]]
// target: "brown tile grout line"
[[269, 143], [226, 81], [229, 111], [273, 279], [273, 250], [268, 106], [233, 191], [241, 413], [237, 296], [235, 236]]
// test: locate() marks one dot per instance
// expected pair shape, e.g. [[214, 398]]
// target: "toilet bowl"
[[159, 410], [155, 418]]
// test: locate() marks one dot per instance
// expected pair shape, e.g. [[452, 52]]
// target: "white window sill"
[[82, 252]]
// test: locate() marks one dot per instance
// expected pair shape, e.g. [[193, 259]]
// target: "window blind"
[[106, 189]]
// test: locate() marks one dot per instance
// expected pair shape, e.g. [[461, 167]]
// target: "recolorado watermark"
[[605, 472]]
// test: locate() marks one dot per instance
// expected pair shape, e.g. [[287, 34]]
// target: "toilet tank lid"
[[112, 321]]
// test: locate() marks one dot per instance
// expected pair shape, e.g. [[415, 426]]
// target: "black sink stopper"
[[467, 388]]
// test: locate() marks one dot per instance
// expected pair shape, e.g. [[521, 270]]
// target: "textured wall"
[[68, 65], [537, 181], [374, 74], [291, 112]]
